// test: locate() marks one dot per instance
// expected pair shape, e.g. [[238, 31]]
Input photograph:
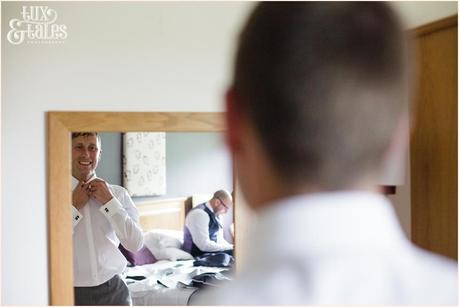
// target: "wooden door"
[[434, 140]]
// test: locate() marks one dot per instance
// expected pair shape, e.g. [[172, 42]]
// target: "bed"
[[167, 278]]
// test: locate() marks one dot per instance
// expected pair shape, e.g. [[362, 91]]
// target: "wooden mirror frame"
[[60, 127]]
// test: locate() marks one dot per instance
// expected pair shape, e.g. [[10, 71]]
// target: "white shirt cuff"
[[112, 207], [76, 216]]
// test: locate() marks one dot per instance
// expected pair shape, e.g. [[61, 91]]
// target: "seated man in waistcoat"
[[203, 228]]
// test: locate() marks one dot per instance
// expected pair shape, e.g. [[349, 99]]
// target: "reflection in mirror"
[[172, 187]]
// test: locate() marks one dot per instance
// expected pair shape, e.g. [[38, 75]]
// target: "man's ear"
[[401, 138], [234, 118], [398, 147]]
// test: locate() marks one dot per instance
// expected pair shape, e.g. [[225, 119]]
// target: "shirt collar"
[[339, 221], [207, 204], [76, 181]]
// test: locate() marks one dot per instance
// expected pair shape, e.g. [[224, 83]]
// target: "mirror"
[[60, 125]]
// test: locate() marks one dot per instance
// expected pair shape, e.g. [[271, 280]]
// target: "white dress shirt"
[[97, 232], [336, 248], [197, 222]]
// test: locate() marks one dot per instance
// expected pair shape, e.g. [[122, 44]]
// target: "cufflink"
[[106, 209], [77, 217]]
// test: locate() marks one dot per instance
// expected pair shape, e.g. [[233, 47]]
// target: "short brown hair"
[[77, 134], [324, 84]]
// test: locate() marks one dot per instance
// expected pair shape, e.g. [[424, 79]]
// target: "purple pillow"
[[143, 256]]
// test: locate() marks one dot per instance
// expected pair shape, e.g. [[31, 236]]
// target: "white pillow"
[[173, 254], [164, 247], [178, 234], [160, 240]]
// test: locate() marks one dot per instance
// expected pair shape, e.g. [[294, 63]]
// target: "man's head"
[[319, 90], [85, 154], [221, 202]]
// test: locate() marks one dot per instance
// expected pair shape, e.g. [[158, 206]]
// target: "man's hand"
[[80, 195], [98, 189]]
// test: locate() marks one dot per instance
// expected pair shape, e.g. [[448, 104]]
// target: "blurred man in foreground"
[[318, 103]]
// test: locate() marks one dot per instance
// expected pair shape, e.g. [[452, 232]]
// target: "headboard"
[[164, 213]]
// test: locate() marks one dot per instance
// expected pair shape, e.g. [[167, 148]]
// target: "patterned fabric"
[[144, 163]]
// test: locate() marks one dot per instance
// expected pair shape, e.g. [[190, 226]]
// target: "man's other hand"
[[98, 189]]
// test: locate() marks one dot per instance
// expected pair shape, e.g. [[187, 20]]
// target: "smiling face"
[[85, 156]]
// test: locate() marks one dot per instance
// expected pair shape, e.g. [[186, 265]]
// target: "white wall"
[[197, 163], [117, 57], [417, 13]]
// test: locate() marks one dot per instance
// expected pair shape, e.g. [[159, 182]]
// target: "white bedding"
[[173, 275]]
